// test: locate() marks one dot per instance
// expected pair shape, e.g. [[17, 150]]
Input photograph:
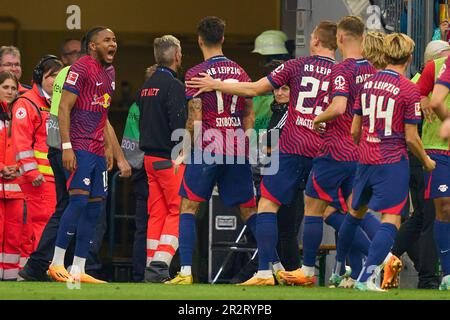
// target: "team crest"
[[72, 78], [113, 85], [87, 181], [443, 188]]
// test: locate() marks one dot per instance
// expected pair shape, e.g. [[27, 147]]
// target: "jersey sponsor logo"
[[443, 188], [417, 109], [87, 181], [21, 113], [339, 83], [72, 78], [278, 70], [104, 100]]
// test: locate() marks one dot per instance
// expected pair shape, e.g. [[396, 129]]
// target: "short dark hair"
[[91, 34], [211, 30], [352, 25]]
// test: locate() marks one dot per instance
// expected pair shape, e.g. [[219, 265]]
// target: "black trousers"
[[40, 259], [140, 189], [415, 235]]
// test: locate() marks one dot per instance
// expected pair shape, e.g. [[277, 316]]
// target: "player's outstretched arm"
[[356, 128], [416, 146], [244, 89], [438, 101], [335, 109], [66, 104]]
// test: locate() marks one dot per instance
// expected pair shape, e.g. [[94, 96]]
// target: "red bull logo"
[[104, 100]]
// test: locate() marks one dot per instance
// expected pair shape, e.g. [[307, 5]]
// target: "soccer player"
[[309, 80], [437, 182], [386, 115], [333, 170], [83, 126], [220, 114]]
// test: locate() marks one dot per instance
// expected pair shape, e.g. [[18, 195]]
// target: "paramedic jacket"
[[162, 107]]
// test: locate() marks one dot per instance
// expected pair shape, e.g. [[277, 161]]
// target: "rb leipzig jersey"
[[346, 80], [387, 101], [94, 85], [444, 74], [222, 114], [308, 79]]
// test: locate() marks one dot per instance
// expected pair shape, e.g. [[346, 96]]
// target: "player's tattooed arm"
[[194, 116], [66, 104], [206, 83], [249, 115], [438, 101], [356, 128], [335, 109], [415, 145]]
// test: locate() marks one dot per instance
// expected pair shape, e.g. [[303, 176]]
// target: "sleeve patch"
[[417, 109], [72, 78], [339, 83], [21, 113]]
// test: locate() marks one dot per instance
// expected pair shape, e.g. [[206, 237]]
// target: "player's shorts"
[[437, 181], [384, 187], [90, 175], [234, 182], [331, 181], [282, 186]]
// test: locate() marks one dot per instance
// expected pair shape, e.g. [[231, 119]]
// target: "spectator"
[[11, 196], [70, 51], [10, 61]]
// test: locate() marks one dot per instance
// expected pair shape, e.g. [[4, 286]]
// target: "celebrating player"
[[82, 119], [333, 170], [219, 115], [309, 79], [385, 121]]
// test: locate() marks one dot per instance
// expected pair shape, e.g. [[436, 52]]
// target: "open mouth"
[[110, 54]]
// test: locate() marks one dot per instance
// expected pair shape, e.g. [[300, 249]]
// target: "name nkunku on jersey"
[[222, 112], [308, 79], [347, 78], [94, 85], [387, 101]]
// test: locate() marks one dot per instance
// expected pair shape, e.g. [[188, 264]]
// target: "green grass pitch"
[[142, 291]]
